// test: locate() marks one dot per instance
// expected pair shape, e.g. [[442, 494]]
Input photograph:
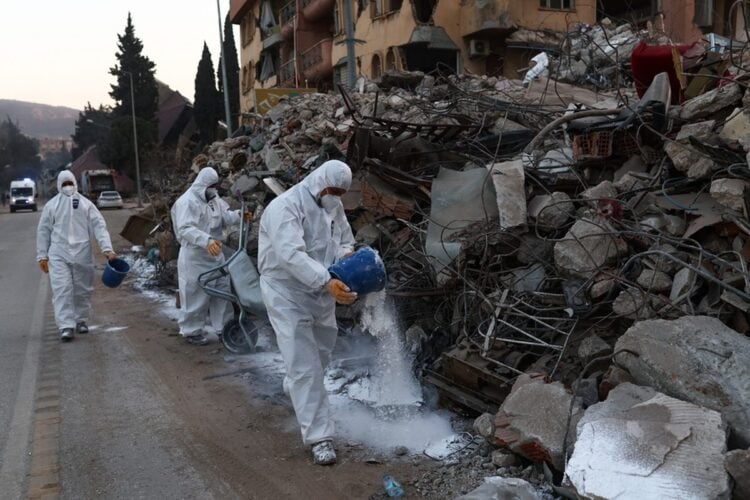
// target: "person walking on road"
[[63, 243], [302, 233], [198, 218]]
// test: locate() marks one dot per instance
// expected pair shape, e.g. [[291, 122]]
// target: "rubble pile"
[[547, 256]]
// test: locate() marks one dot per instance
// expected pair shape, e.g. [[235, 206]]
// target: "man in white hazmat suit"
[[63, 245], [198, 219], [302, 233]]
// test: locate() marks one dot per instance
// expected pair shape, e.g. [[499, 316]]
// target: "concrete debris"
[[633, 304], [736, 131], [551, 210], [654, 281], [713, 101], [598, 215], [695, 358], [593, 347], [532, 420], [508, 178], [640, 443], [737, 463], [730, 193], [588, 245], [503, 459], [690, 161], [502, 488]]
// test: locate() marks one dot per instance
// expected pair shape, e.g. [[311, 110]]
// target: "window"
[[704, 13], [337, 18], [391, 5], [247, 31], [557, 4], [248, 78], [390, 60], [377, 67], [376, 8]]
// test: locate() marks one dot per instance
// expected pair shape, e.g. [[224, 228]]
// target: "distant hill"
[[40, 120]]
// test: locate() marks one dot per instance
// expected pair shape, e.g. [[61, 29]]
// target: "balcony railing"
[[288, 12], [316, 61], [286, 74]]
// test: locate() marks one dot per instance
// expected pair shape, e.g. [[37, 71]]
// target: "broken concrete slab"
[[654, 281], [509, 180], [634, 304], [502, 488], [737, 463], [551, 210], [502, 459], [702, 131], [736, 131], [642, 444], [603, 191], [484, 425], [695, 358], [711, 102], [532, 420], [730, 193], [588, 246], [689, 161], [683, 283], [593, 347]]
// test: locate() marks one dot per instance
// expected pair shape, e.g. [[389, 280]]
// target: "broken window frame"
[[379, 73], [558, 5], [247, 31], [338, 25], [417, 11]]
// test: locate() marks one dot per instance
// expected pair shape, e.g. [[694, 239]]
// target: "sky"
[[59, 52]]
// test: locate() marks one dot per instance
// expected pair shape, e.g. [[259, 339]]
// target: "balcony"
[[486, 19], [287, 15], [286, 75], [316, 10], [316, 62], [272, 37]]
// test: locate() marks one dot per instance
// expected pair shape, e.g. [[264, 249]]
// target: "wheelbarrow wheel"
[[234, 340]]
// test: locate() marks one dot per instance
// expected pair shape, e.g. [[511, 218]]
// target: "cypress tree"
[[206, 97]]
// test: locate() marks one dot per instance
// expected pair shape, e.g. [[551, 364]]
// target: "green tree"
[[117, 150], [19, 153], [206, 96], [233, 75], [92, 128]]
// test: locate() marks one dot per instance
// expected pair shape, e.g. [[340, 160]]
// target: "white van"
[[23, 195]]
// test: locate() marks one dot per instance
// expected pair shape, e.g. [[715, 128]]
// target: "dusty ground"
[[235, 428]]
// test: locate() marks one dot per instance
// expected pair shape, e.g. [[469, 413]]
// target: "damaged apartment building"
[[303, 43]]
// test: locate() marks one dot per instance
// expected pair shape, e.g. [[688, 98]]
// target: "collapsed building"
[[569, 261]]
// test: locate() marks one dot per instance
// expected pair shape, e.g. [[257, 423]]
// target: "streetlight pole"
[[227, 111], [135, 141]]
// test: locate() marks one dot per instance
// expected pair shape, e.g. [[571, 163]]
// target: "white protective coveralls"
[[298, 242], [64, 238], [197, 221]]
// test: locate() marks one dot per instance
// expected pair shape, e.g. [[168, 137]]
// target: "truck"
[[94, 182], [22, 195]]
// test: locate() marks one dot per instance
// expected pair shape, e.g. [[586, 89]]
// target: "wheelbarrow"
[[240, 334]]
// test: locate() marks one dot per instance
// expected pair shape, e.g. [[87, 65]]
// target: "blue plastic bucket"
[[363, 271], [114, 272]]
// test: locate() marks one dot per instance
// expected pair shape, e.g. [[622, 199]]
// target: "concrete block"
[[730, 192], [695, 358], [532, 420], [642, 444], [588, 246]]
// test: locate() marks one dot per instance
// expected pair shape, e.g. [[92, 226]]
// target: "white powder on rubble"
[[393, 382]]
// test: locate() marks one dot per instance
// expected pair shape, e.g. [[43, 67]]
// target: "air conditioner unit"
[[479, 48]]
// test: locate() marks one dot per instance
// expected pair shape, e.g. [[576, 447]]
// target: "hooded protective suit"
[[197, 221], [64, 238], [298, 241]]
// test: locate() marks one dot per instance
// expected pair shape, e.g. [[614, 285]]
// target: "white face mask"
[[68, 190], [211, 193], [330, 202]]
